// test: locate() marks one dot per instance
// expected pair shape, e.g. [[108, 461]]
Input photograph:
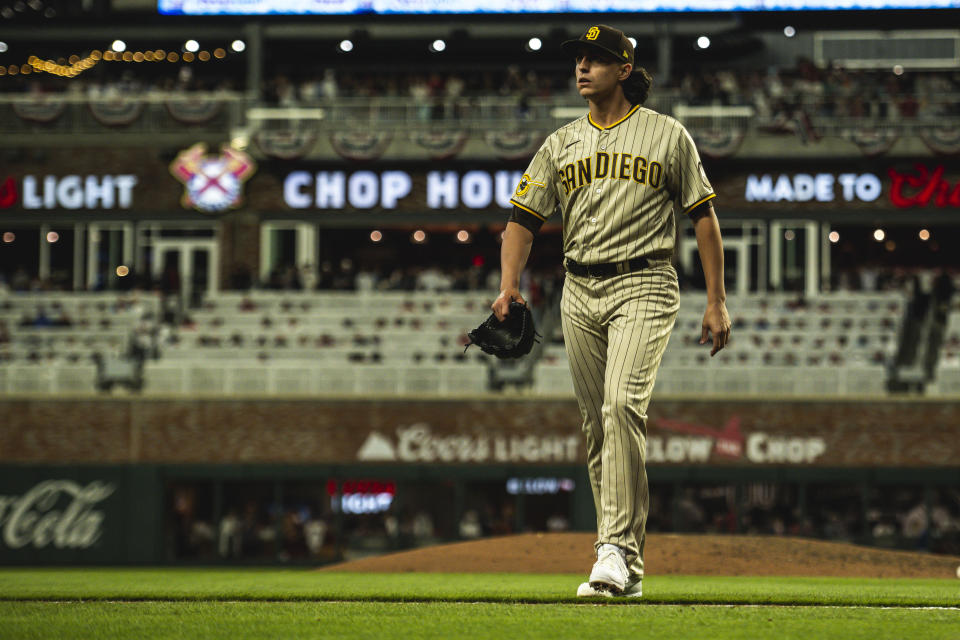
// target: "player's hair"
[[636, 87]]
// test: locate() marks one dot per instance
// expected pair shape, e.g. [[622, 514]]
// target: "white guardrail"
[[232, 379]]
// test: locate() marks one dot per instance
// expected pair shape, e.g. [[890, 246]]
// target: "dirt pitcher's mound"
[[677, 554]]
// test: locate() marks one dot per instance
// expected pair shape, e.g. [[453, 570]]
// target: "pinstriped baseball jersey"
[[616, 187]]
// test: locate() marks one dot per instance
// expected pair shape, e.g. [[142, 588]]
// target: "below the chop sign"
[[392, 189]]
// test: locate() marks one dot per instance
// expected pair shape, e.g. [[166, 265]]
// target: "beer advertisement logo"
[[593, 33], [420, 442], [212, 183]]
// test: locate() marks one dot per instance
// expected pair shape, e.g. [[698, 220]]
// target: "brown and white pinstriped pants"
[[616, 330]]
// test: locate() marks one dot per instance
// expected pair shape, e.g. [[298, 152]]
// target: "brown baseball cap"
[[603, 37]]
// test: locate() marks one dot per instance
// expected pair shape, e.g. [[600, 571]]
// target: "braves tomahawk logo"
[[212, 183]]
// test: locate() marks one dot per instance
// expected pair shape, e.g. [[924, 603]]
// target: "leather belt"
[[606, 269]]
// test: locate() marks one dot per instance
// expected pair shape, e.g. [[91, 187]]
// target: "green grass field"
[[270, 603]]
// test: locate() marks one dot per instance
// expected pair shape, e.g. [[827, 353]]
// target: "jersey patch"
[[525, 183]]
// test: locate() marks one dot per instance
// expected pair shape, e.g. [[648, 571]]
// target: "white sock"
[[613, 547]]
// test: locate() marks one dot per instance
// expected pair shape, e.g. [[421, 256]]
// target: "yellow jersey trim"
[[699, 202], [527, 209], [629, 113]]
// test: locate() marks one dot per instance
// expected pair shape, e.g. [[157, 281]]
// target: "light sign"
[[539, 486], [68, 192], [361, 496]]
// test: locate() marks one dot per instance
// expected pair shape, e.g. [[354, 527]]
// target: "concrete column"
[[78, 256], [253, 32], [664, 59], [811, 266], [44, 266], [776, 244]]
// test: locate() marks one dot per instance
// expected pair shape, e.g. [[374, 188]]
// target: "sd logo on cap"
[[605, 38]]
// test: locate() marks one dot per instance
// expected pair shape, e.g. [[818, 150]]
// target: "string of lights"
[[76, 65]]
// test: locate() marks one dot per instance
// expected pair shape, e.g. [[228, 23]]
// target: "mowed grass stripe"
[[168, 584], [243, 620]]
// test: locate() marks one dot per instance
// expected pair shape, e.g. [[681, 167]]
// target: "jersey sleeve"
[[536, 193], [689, 180]]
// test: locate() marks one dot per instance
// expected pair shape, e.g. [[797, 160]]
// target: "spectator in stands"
[[470, 527], [41, 320], [328, 86], [420, 92]]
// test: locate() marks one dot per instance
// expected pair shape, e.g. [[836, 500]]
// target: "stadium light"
[[898, 69], [192, 46], [789, 31], [118, 46], [924, 234], [238, 45], [463, 236], [703, 42], [52, 237], [834, 237], [789, 235], [438, 45], [419, 236], [376, 236], [3, 47], [534, 44], [123, 270], [9, 237], [879, 235], [346, 46]]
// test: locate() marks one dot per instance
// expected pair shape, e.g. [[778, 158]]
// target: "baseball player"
[[616, 176]]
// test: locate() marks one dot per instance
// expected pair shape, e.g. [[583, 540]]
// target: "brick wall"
[[746, 433]]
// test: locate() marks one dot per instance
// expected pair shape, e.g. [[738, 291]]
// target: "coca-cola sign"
[[923, 187], [54, 512]]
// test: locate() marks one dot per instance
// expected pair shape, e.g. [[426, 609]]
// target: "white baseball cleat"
[[610, 570], [633, 589]]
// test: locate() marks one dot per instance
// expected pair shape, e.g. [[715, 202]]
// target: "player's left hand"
[[716, 321]]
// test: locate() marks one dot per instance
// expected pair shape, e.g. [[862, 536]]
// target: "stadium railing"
[[232, 113]]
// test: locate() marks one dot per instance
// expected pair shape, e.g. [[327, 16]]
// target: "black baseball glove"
[[512, 338]]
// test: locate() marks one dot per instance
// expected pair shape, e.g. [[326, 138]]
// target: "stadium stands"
[[50, 342], [834, 344], [405, 342], [325, 343], [947, 378]]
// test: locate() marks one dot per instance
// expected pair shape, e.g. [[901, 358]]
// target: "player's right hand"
[[501, 306]]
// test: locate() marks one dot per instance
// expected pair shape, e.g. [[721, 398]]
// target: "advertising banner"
[[198, 182], [467, 432], [71, 514]]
